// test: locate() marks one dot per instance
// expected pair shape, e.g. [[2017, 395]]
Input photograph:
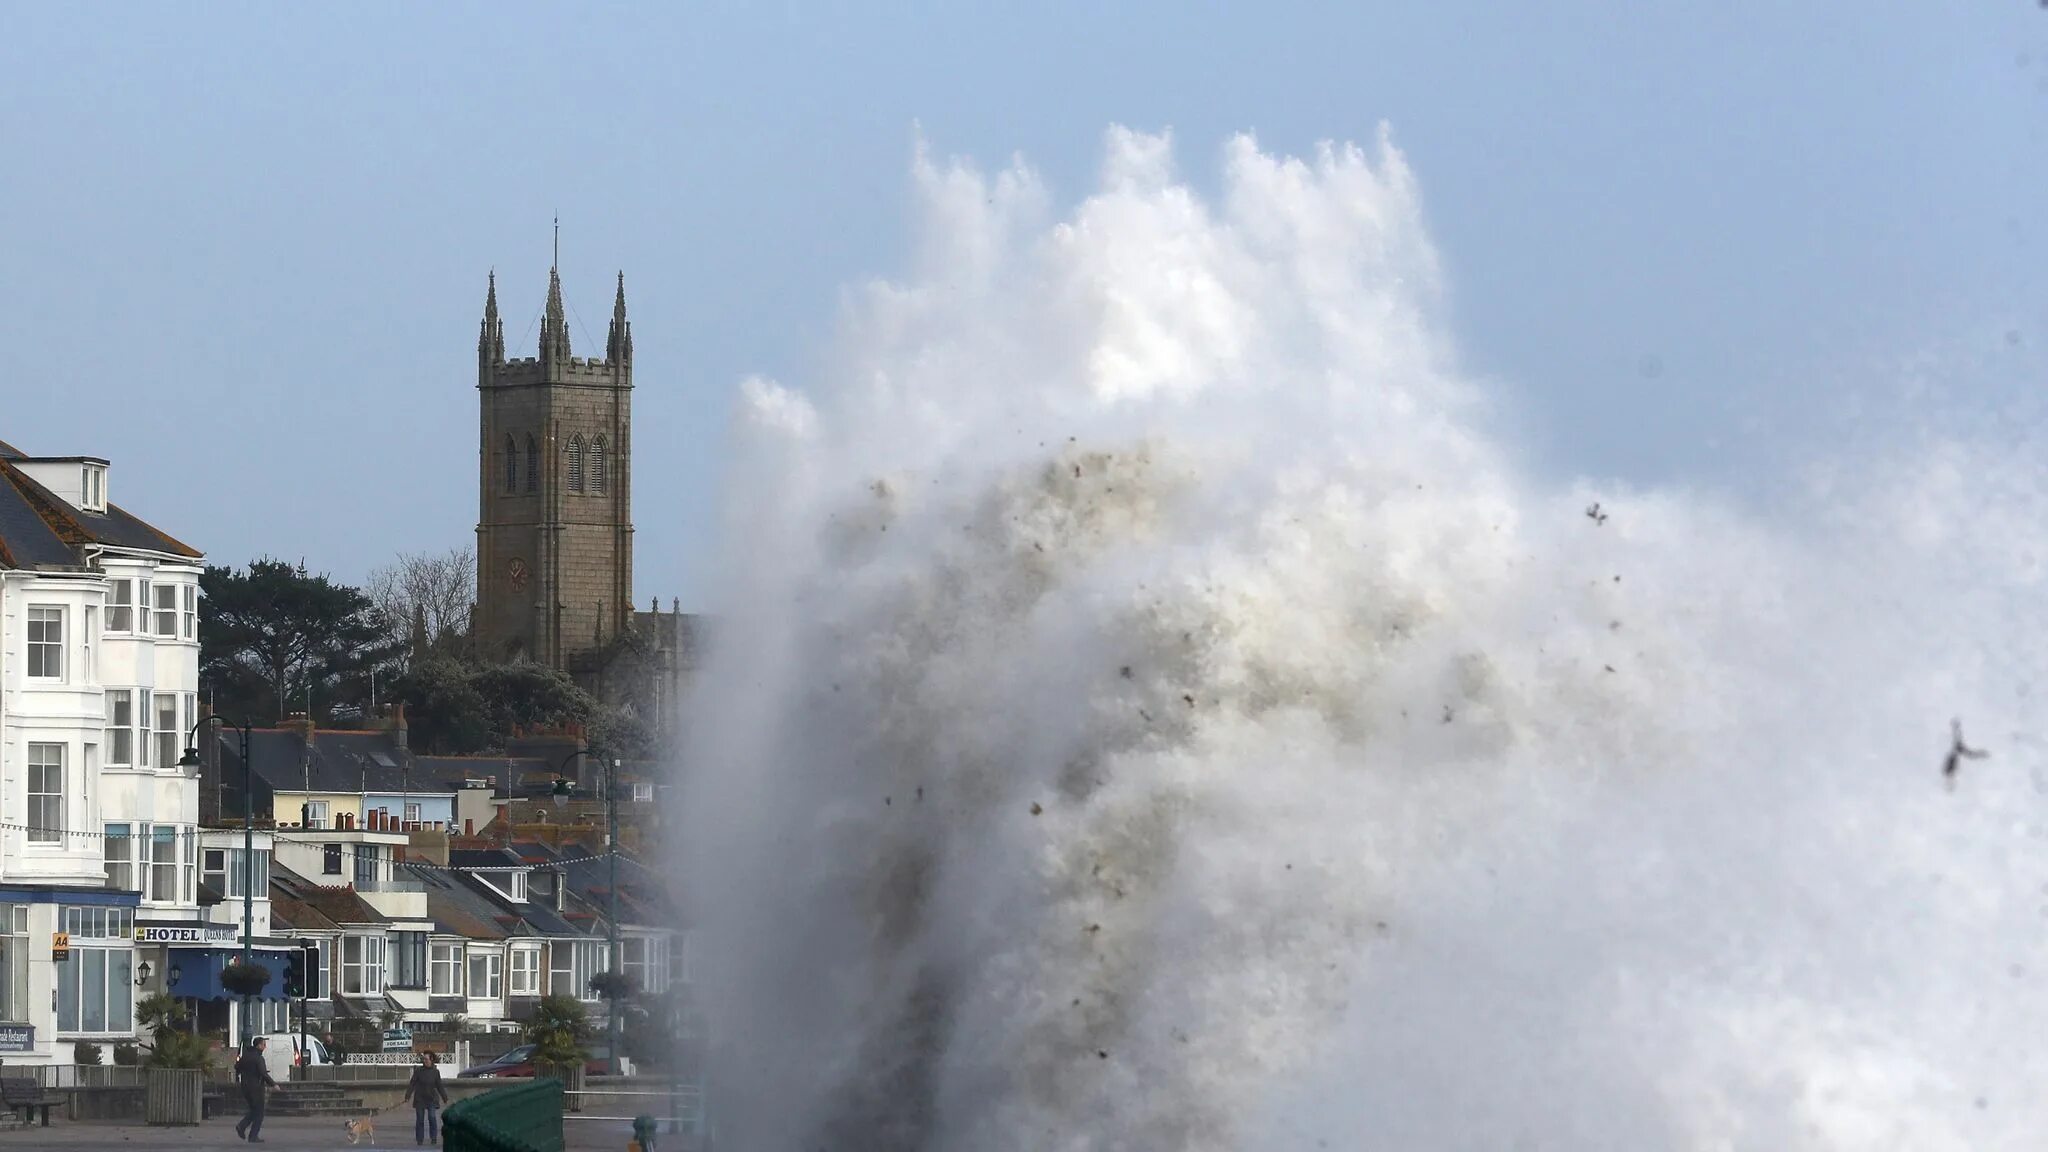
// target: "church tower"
[[554, 534]]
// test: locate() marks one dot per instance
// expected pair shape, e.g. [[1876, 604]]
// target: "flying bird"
[[1595, 513], [1958, 752]]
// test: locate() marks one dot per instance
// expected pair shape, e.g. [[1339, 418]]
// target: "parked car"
[[519, 1062]]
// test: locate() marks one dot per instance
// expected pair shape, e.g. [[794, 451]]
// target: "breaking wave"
[[1151, 709]]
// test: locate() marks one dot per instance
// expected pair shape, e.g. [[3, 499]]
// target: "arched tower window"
[[511, 464], [598, 478], [576, 463], [532, 463]]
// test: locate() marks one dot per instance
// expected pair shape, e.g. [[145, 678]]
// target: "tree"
[[557, 1031], [273, 634], [455, 708], [425, 602]]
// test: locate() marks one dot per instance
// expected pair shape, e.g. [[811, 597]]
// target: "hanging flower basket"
[[611, 986], [244, 979]]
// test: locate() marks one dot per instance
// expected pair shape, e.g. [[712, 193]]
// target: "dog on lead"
[[364, 1128]]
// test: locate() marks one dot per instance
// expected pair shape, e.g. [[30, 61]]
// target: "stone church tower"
[[554, 534]]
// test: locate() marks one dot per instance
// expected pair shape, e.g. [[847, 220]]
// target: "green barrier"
[[522, 1118]]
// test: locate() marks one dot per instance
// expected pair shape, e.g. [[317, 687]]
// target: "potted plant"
[[557, 1031], [86, 1054], [176, 1079]]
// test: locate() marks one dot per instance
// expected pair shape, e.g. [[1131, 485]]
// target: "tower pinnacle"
[[490, 341], [554, 327], [618, 346]]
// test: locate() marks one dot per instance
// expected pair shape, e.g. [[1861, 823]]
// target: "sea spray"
[[1148, 710]]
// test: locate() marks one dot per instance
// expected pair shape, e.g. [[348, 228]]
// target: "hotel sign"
[[17, 1038], [157, 934]]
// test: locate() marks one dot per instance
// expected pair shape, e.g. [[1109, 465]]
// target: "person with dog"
[[427, 1096], [255, 1076]]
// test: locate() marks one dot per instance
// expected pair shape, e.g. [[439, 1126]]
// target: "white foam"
[[1292, 768]]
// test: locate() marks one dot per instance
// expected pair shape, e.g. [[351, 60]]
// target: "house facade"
[[102, 858]]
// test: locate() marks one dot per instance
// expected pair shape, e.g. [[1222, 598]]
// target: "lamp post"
[[191, 760], [611, 812]]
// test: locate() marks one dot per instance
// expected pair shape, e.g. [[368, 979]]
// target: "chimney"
[[298, 722], [430, 846], [394, 724]]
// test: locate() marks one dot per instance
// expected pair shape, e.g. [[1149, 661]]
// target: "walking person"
[[427, 1096], [255, 1077]]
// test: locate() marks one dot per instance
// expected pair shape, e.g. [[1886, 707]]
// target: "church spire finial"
[[490, 341], [619, 344], [554, 326]]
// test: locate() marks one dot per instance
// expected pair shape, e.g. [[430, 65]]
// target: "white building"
[[99, 825]]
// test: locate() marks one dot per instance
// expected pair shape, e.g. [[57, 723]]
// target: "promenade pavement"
[[280, 1134]]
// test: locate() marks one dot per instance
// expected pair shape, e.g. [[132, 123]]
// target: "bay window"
[[142, 741], [571, 965], [120, 858], [445, 970], [408, 959], [96, 987], [121, 605], [485, 970], [641, 960], [46, 793], [45, 643], [525, 971], [362, 965], [223, 869], [167, 731], [167, 611], [163, 864], [120, 727], [190, 601]]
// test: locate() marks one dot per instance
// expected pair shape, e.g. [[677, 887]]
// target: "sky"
[[245, 246]]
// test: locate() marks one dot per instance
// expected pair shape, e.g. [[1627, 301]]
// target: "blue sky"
[[245, 246]]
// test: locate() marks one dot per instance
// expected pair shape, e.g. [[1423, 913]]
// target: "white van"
[[281, 1051]]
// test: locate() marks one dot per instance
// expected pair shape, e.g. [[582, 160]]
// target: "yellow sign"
[[60, 945]]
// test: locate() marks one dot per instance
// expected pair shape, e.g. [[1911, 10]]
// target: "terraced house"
[[422, 903]]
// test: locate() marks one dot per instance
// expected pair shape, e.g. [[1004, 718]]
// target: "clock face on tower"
[[516, 570]]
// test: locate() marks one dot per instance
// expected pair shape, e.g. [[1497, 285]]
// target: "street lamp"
[[191, 760], [560, 794]]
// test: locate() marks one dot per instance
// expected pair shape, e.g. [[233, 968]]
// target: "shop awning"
[[199, 970]]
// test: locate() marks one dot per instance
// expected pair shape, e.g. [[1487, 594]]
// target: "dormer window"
[[93, 488], [510, 884]]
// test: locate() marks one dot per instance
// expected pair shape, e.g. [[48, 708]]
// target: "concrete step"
[[323, 1108]]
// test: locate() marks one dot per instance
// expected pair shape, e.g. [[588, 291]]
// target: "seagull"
[[1958, 752], [1596, 514]]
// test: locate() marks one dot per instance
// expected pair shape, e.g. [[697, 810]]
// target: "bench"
[[213, 1102], [23, 1095]]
